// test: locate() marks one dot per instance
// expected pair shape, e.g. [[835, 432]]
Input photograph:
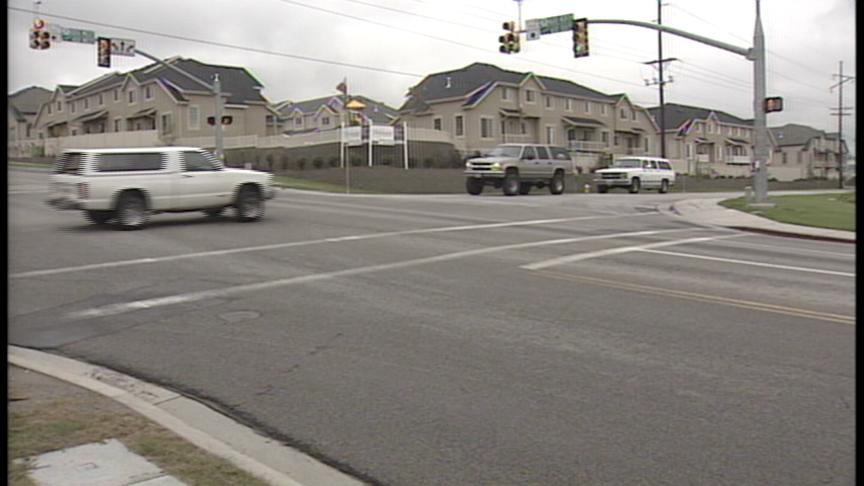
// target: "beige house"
[[706, 141], [22, 107], [813, 152], [482, 105], [326, 113], [157, 98]]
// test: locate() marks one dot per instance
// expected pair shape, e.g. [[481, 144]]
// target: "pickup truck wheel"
[[473, 186], [511, 185], [524, 188], [131, 211], [249, 205], [556, 185], [213, 212], [99, 217], [664, 186], [635, 185]]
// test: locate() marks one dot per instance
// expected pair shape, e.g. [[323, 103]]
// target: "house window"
[[437, 124], [800, 157], [194, 118], [569, 104], [86, 103], [325, 121], [486, 128], [623, 116], [116, 95], [605, 138], [633, 115], [49, 109], [646, 144], [72, 107], [148, 93], [131, 97], [548, 101], [117, 122], [689, 148], [298, 121], [785, 158], [529, 96], [616, 140], [603, 110], [29, 127], [505, 94], [74, 132], [101, 100], [550, 135], [59, 107], [460, 128], [710, 128], [588, 107], [523, 130]]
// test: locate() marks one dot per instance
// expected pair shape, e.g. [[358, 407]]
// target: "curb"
[[213, 432]]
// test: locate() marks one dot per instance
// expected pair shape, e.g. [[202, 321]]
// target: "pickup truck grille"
[[481, 166]]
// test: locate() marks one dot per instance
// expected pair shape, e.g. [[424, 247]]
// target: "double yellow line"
[[745, 304]]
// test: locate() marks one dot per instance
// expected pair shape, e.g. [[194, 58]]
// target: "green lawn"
[[832, 211]]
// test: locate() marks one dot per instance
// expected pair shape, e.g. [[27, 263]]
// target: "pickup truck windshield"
[[627, 163], [505, 152]]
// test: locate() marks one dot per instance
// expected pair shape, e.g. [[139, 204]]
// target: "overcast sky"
[[385, 46]]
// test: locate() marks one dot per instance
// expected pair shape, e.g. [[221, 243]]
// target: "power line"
[[222, 44]]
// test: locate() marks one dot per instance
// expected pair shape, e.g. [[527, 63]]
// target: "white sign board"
[[532, 29], [352, 136], [383, 135], [122, 47]]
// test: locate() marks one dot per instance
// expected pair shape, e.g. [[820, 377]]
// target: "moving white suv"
[[636, 173], [128, 185]]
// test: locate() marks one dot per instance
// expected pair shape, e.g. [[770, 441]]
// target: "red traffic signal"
[[509, 42], [40, 39], [226, 120]]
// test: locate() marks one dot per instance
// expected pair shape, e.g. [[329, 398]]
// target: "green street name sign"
[[550, 25], [78, 35]]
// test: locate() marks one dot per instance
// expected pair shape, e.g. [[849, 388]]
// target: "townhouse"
[[21, 110], [157, 98], [814, 153], [326, 113], [706, 141], [482, 105]]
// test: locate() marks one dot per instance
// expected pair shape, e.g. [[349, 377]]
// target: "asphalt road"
[[457, 340]]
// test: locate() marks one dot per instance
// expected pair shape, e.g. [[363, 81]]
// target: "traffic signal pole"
[[755, 54], [216, 88]]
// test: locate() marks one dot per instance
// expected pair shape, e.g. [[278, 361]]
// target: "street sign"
[[352, 136], [123, 47], [78, 35], [548, 25]]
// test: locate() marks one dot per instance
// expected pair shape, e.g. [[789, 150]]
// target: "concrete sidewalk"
[[708, 212]]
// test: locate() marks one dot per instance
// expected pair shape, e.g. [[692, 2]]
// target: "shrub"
[[301, 164], [318, 163], [428, 163], [356, 161], [334, 161]]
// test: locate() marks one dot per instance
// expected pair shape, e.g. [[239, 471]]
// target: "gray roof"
[[96, 85], [238, 82], [463, 82], [378, 112], [29, 100], [675, 115], [792, 134]]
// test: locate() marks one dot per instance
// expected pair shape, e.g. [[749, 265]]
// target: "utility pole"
[[841, 155], [661, 82], [760, 156]]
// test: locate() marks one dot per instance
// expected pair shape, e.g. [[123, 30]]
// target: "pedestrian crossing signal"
[[773, 104]]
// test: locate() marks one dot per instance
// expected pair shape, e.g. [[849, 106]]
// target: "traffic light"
[[103, 52], [40, 39], [211, 120], [226, 120], [509, 41], [580, 37], [773, 104]]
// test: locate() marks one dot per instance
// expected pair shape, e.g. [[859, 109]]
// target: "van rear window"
[[129, 162], [69, 163]]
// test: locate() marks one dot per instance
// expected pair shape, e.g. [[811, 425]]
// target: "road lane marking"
[[122, 308], [793, 248], [746, 304], [615, 251], [747, 262], [278, 246]]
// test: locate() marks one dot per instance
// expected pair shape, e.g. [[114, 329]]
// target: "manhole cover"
[[238, 316]]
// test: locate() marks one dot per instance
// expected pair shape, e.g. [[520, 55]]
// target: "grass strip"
[[831, 211]]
